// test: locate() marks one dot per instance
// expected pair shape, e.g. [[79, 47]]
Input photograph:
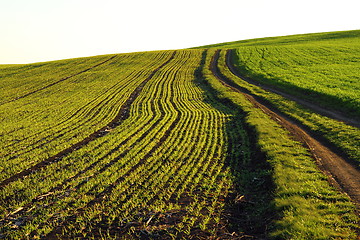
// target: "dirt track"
[[340, 172]]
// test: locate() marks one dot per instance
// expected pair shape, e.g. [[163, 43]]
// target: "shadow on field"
[[249, 208]]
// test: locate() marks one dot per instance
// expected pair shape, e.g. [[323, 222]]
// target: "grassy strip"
[[324, 74], [344, 137], [308, 206]]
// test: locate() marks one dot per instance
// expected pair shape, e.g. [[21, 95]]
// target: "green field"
[[151, 145], [318, 67]]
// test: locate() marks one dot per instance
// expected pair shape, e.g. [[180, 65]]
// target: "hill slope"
[[166, 144]]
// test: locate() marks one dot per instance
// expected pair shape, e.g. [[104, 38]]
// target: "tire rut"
[[316, 108], [341, 173], [123, 114]]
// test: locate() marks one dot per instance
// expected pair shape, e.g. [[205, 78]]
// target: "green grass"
[[326, 75]]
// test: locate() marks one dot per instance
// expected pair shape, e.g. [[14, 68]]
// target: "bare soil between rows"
[[340, 172]]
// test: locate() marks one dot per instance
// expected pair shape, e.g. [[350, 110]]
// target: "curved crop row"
[[171, 148], [55, 123], [58, 174], [147, 177]]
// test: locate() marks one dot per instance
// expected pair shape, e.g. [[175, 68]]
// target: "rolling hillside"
[[223, 141]]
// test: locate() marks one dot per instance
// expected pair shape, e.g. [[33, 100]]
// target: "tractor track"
[[123, 114], [339, 171]]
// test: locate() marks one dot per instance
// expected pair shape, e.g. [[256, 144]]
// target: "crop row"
[[68, 168], [43, 124], [167, 159], [183, 163]]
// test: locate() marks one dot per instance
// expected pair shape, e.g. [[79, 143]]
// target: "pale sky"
[[43, 30]]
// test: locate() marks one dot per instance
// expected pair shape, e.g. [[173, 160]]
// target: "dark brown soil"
[[340, 172]]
